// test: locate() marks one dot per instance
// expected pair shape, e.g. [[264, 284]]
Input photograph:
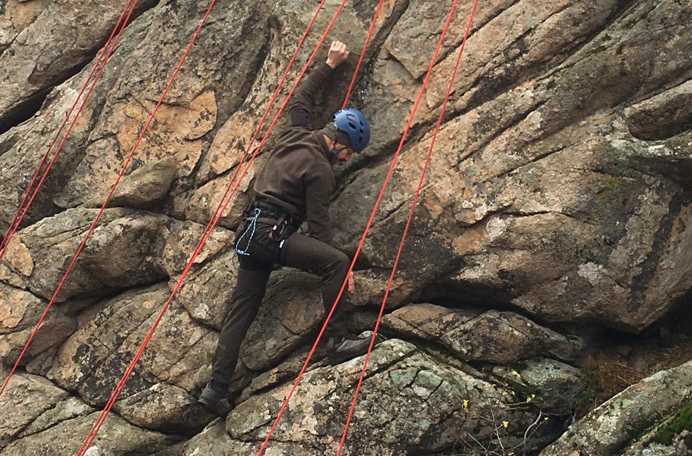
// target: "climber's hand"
[[338, 53]]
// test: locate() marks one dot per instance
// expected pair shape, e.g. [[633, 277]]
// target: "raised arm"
[[301, 110]]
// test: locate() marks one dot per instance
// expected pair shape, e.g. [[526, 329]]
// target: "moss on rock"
[[682, 421]]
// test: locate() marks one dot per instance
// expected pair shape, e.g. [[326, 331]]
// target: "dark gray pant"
[[299, 251]]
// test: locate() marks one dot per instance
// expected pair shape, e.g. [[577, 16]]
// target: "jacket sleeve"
[[319, 187], [302, 107]]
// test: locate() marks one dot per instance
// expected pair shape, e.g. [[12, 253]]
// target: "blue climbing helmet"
[[353, 123]]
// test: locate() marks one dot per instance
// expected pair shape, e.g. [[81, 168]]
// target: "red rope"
[[94, 76], [404, 236], [104, 413], [97, 72], [369, 224], [220, 209], [354, 78], [284, 76]]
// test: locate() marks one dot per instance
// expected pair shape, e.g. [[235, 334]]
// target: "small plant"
[[681, 422]]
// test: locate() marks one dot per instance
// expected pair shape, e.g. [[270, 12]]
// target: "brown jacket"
[[298, 175]]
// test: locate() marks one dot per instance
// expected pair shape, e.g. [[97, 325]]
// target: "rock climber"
[[295, 186]]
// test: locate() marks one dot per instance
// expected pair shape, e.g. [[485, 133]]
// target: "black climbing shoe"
[[214, 401], [352, 348]]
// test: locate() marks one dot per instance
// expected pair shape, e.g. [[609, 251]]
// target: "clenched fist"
[[338, 53]]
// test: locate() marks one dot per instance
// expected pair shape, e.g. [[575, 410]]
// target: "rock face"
[[144, 187], [43, 43], [450, 406], [20, 311], [552, 205], [50, 422], [557, 205], [628, 423], [496, 337]]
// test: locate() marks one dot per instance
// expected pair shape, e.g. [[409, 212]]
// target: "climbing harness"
[[249, 230], [279, 233]]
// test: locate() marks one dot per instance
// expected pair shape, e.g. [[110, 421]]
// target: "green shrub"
[[681, 422]]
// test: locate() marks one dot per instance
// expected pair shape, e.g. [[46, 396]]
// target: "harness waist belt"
[[270, 211]]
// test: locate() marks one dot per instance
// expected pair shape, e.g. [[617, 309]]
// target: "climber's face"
[[342, 153], [338, 151]]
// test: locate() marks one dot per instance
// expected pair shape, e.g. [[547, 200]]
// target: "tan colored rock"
[[129, 248], [558, 217], [370, 286], [206, 293], [63, 410], [19, 313], [27, 397], [121, 251], [200, 205], [18, 258], [510, 39], [23, 148], [230, 146], [181, 354], [16, 265], [16, 17], [184, 124], [662, 115], [67, 436], [45, 51], [180, 239], [103, 329], [164, 407], [144, 187], [177, 134], [18, 308], [523, 37], [286, 371], [215, 440], [425, 19], [496, 337], [93, 359]]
